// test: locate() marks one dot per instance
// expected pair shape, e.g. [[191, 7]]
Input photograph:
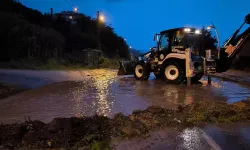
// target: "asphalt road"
[[89, 92]]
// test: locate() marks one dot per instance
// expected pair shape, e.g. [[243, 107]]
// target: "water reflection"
[[77, 99], [102, 84], [79, 94], [194, 138], [214, 84], [90, 96], [169, 96]]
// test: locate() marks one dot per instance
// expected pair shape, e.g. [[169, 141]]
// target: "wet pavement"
[[169, 139], [86, 93], [207, 137], [230, 136]]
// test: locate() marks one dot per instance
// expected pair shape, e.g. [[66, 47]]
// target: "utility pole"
[[203, 43], [98, 28], [51, 13]]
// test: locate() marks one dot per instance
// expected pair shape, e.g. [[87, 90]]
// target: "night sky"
[[138, 20]]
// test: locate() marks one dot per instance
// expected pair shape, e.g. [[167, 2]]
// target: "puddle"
[[231, 91], [103, 93]]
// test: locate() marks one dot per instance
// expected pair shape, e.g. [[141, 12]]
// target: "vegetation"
[[27, 33], [97, 132]]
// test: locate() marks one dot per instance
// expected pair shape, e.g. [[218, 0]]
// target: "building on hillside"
[[68, 15], [91, 57]]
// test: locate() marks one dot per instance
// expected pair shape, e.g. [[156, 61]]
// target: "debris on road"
[[99, 130], [9, 89]]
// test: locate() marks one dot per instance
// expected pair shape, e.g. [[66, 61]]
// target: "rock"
[[132, 117], [3, 148], [129, 131], [32, 138], [155, 109], [19, 132], [11, 135], [60, 124], [36, 125]]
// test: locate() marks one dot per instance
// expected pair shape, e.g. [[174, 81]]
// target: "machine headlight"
[[197, 32], [187, 29]]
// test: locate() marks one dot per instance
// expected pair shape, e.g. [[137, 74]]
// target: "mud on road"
[[114, 100], [89, 131]]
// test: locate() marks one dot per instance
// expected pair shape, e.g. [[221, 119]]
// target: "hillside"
[[28, 33]]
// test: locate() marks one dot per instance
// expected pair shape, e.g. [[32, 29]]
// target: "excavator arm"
[[229, 53]]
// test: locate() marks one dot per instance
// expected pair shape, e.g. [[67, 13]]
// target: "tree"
[[22, 39], [31, 33]]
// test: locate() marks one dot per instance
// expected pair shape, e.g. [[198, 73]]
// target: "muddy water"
[[102, 92]]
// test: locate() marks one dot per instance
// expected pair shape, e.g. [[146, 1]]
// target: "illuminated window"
[[70, 17]]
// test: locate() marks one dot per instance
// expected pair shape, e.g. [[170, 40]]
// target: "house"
[[68, 15]]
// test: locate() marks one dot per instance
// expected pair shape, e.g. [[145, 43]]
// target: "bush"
[[109, 62]]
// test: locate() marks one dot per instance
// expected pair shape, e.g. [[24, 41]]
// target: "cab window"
[[178, 39], [164, 42]]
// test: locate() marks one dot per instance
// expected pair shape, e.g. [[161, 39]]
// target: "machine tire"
[[141, 72], [174, 72], [197, 77]]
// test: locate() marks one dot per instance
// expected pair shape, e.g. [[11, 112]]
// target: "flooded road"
[[102, 92], [207, 137]]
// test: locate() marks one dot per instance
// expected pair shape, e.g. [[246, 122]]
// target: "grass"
[[102, 145], [57, 64], [109, 63]]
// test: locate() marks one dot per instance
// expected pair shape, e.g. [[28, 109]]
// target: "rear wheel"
[[141, 72], [174, 72]]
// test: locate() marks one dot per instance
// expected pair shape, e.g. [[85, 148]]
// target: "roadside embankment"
[[98, 132], [7, 90], [58, 64], [241, 77]]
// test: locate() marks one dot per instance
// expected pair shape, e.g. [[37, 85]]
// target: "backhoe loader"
[[173, 59]]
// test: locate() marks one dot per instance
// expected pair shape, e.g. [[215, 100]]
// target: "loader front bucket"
[[126, 68]]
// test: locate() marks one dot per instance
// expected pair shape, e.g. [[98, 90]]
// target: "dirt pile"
[[95, 131]]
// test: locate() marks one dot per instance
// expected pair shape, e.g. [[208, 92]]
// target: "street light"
[[101, 18], [209, 27], [217, 36], [76, 10]]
